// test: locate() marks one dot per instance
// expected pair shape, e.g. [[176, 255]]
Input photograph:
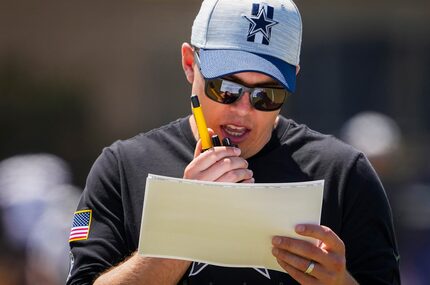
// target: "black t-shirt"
[[354, 206]]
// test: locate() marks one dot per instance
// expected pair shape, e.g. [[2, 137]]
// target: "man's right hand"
[[221, 164]]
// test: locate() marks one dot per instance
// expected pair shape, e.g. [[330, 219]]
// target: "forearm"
[[145, 270]]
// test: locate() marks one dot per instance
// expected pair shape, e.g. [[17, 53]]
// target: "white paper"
[[226, 224]]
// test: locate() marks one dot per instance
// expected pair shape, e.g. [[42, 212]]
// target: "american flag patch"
[[81, 225]]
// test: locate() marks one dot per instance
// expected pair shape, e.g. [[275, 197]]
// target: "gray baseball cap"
[[249, 35]]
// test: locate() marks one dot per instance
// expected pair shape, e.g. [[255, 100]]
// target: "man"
[[242, 64]]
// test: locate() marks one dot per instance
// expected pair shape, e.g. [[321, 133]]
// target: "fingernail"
[[300, 228], [277, 240], [275, 251], [236, 151]]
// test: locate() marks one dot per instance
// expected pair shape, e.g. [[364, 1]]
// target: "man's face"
[[247, 127]]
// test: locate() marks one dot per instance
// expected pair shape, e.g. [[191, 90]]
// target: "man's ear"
[[188, 61]]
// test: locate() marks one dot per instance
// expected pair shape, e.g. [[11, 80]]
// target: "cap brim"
[[216, 63]]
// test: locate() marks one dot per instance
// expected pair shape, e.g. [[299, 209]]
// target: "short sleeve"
[[367, 228], [105, 243]]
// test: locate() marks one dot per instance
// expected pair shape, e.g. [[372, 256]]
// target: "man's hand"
[[222, 164], [328, 258]]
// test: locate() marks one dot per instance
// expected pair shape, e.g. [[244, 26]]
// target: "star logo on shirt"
[[197, 267], [261, 21]]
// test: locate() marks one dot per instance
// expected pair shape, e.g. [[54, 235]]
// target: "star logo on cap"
[[261, 23]]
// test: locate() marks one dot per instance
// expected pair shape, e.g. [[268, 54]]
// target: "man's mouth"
[[236, 134]]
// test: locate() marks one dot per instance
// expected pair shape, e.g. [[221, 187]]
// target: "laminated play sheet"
[[226, 224]]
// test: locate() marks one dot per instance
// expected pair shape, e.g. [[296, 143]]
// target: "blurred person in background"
[[380, 138], [412, 204], [36, 199], [375, 134], [239, 52]]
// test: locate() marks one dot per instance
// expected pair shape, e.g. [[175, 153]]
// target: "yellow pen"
[[201, 123]]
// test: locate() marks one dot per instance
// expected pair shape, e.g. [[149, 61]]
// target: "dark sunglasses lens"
[[213, 91], [268, 99]]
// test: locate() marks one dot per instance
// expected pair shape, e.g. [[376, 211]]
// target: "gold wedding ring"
[[310, 268]]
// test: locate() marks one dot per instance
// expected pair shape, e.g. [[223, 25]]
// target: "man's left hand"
[[313, 264]]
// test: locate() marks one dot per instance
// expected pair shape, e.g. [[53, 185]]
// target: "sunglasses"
[[261, 98], [225, 91]]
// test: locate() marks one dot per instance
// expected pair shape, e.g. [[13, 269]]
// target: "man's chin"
[[246, 152]]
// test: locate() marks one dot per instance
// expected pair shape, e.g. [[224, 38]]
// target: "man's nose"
[[242, 106]]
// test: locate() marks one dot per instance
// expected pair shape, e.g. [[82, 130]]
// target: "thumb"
[[211, 132]]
